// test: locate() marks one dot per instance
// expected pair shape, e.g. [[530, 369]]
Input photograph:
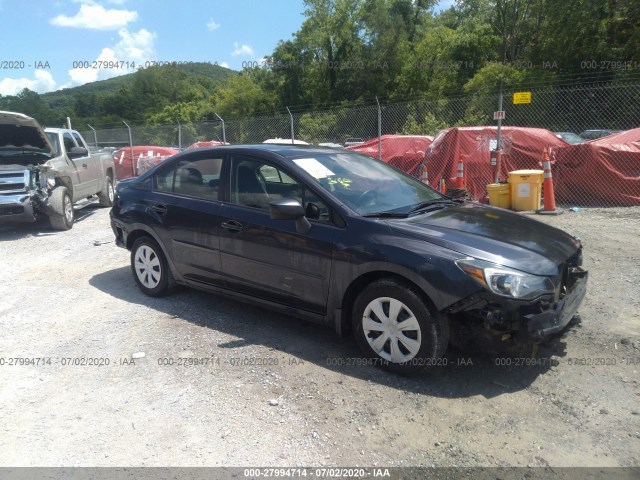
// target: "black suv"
[[342, 239]]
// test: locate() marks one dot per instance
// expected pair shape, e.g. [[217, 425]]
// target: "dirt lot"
[[279, 392]]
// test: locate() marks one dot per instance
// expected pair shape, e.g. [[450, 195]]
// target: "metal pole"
[[498, 139], [95, 136], [379, 130], [133, 168], [292, 133], [179, 135], [224, 137]]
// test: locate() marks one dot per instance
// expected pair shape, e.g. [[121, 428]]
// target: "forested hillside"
[[351, 51], [137, 97]]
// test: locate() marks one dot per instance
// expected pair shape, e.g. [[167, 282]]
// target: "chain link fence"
[[575, 110]]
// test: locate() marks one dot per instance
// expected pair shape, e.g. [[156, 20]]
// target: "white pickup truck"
[[46, 172]]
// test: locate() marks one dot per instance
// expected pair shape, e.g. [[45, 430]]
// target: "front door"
[[267, 258], [90, 173], [81, 180]]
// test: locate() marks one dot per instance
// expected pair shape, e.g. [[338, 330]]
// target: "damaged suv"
[[46, 172], [342, 239]]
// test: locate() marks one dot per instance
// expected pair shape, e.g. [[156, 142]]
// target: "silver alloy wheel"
[[68, 209], [147, 267], [392, 330]]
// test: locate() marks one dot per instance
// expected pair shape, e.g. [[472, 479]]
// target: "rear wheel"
[[394, 326], [106, 196], [150, 268], [62, 217]]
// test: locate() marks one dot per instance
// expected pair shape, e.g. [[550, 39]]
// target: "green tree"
[[241, 96], [430, 125], [320, 127]]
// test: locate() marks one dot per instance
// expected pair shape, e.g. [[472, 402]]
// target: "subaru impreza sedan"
[[345, 240]]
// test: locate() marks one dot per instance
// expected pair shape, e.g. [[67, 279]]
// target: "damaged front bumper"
[[17, 208], [559, 314], [527, 321]]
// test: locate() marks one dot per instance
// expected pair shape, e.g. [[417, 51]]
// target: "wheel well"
[[110, 173], [133, 236], [65, 182], [361, 282]]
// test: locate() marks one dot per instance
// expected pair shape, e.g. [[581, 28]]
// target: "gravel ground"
[[279, 392]]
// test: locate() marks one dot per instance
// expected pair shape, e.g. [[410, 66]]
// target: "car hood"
[[23, 132], [493, 234]]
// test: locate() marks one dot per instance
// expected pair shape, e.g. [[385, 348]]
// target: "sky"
[[46, 45]]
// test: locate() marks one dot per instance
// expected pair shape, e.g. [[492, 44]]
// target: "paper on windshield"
[[313, 167]]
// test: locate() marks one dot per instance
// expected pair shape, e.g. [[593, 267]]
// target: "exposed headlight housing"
[[506, 282]]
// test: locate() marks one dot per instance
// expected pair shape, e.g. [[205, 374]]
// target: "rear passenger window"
[[164, 180], [198, 178]]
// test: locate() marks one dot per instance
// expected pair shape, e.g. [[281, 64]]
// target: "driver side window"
[[255, 183], [68, 142]]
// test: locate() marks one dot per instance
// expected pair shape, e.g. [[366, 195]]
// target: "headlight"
[[506, 282], [45, 180]]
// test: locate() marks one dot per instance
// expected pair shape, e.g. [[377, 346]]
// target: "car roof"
[[287, 151]]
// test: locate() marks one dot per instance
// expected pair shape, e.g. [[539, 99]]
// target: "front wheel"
[[62, 215], [150, 268], [394, 326]]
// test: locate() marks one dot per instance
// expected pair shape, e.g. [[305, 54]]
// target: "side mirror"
[[289, 209], [77, 152], [313, 211]]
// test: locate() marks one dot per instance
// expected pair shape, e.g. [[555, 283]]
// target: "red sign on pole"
[[499, 115]]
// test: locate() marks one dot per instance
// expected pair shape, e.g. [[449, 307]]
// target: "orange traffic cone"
[[443, 185], [547, 187], [424, 177], [460, 183]]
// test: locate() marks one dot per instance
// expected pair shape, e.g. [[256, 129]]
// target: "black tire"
[[150, 268], [107, 195], [62, 215], [422, 341]]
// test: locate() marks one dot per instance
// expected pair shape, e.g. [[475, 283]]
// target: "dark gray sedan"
[[342, 239]]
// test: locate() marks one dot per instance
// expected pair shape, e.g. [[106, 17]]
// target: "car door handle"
[[84, 165], [232, 225], [159, 208]]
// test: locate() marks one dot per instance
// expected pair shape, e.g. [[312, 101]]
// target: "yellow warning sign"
[[521, 98]]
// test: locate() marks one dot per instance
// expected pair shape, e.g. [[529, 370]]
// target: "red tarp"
[[521, 150], [602, 172], [144, 158], [405, 152]]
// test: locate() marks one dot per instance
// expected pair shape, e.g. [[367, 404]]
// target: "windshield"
[[365, 184]]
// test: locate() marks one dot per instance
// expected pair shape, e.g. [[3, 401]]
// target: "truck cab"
[[48, 172]]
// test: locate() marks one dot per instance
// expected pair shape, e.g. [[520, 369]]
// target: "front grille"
[[17, 210], [12, 187], [12, 182]]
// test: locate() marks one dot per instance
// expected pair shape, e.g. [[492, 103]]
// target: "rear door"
[[267, 258], [185, 202]]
